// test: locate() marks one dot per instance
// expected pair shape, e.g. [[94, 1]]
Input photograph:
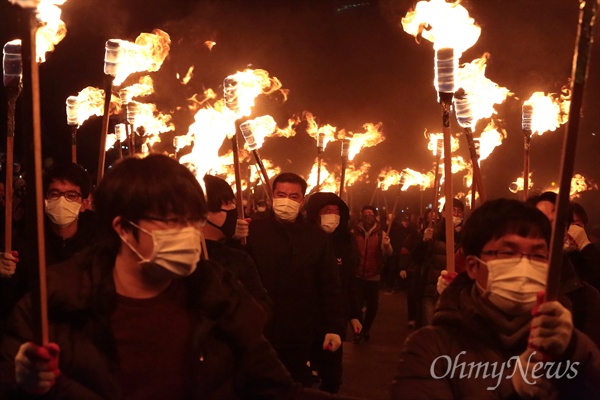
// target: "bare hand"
[[356, 326], [332, 342], [428, 234], [8, 264], [403, 274], [36, 367]]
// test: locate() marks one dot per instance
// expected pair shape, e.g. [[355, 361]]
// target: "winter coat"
[[231, 357], [465, 335], [587, 264], [344, 249], [297, 267], [370, 251], [243, 268]]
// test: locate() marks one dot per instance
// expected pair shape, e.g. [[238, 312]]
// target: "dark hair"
[[458, 204], [218, 191], [577, 209], [546, 196], [368, 207], [500, 217], [137, 187], [70, 172], [290, 177]]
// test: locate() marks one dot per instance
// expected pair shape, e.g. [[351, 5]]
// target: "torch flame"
[[51, 30], [249, 84], [447, 25], [490, 138], [549, 111], [436, 140], [358, 141], [579, 184], [146, 54], [313, 129], [414, 178], [90, 101], [519, 184]]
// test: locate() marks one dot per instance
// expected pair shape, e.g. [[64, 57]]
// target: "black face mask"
[[228, 227]]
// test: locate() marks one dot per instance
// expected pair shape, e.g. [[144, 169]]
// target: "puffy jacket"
[[465, 335], [369, 249], [233, 360]]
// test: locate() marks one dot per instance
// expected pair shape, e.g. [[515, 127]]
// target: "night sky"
[[346, 61]]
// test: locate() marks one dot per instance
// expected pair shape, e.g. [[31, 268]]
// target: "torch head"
[[124, 96], [12, 64], [121, 132], [112, 56], [345, 148], [527, 117], [464, 115], [26, 3], [132, 112], [445, 66], [248, 134], [72, 111], [230, 85], [321, 141]]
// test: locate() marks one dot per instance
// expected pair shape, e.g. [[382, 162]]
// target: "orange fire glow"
[[251, 83], [389, 177], [188, 76], [414, 178], [519, 184], [446, 25], [313, 129], [210, 44], [483, 93], [549, 111], [490, 138], [90, 101], [51, 30], [146, 54], [354, 174], [436, 142], [360, 140]]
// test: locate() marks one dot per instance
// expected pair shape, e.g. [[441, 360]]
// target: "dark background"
[[346, 61]]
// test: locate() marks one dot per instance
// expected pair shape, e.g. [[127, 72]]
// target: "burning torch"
[[445, 66], [112, 56], [13, 81], [247, 129], [464, 117], [581, 58], [230, 86], [526, 126], [345, 151], [439, 149], [33, 161], [125, 98], [320, 149], [73, 122]]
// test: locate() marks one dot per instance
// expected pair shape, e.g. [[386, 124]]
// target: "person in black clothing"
[[221, 222], [298, 269], [329, 212], [69, 227]]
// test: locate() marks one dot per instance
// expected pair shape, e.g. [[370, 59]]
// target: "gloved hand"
[[403, 274], [428, 234], [8, 264], [577, 234], [444, 280], [551, 327], [242, 229], [36, 367], [526, 384], [332, 342], [356, 326]]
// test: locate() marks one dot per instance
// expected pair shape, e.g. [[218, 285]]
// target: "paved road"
[[370, 367]]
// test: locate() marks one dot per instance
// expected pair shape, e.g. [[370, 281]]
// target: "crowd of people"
[[159, 289]]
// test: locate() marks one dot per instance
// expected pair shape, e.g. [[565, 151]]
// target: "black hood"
[[321, 199]]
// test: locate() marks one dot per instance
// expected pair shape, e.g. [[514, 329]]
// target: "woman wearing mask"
[[329, 212]]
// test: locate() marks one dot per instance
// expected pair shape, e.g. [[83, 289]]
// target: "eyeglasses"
[[69, 195], [174, 222], [518, 256]]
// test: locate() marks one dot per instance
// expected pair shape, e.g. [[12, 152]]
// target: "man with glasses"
[[492, 335], [137, 316]]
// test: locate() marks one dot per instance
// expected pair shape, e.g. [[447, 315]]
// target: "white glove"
[[444, 280], [428, 234], [578, 235], [332, 342], [241, 229], [8, 264]]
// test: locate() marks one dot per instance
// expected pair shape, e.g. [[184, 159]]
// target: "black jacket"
[[297, 267], [233, 360]]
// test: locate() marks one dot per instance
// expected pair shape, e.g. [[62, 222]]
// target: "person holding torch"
[[137, 316]]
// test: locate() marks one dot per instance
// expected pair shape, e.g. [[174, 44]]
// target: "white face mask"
[[513, 286], [329, 222], [286, 209], [261, 209], [176, 251], [61, 211], [457, 221]]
